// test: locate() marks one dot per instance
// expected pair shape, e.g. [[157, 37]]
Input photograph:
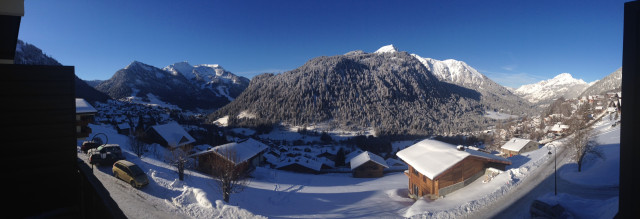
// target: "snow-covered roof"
[[367, 156], [515, 144], [303, 161], [432, 158], [243, 150], [351, 155], [82, 106], [124, 125], [174, 134], [395, 162], [559, 127]]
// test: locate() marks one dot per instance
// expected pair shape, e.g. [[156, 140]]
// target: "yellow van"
[[130, 173]]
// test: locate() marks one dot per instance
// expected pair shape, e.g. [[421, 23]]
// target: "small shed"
[[517, 146], [368, 165]]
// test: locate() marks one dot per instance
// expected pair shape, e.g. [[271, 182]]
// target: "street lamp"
[[555, 167]]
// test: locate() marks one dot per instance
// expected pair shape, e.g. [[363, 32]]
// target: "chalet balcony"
[[84, 132]]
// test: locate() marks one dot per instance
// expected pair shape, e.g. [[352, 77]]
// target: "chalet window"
[[415, 189], [415, 172], [424, 178]]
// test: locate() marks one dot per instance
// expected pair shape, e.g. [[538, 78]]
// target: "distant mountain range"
[[211, 77], [493, 95], [544, 92], [203, 87], [28, 54], [388, 90]]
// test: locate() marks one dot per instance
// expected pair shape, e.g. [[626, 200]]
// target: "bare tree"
[[179, 159], [231, 176], [582, 144], [138, 146]]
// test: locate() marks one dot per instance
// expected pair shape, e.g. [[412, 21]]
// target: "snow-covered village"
[[332, 109], [315, 173]]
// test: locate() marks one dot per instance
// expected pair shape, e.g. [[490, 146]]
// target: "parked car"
[[131, 173], [540, 209], [105, 154], [86, 145]]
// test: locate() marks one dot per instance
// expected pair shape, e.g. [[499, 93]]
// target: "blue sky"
[[512, 42]]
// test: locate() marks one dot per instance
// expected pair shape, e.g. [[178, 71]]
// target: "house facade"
[[517, 146], [368, 165], [85, 114], [436, 168], [249, 152]]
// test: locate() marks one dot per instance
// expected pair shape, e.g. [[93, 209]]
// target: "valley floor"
[[282, 194]]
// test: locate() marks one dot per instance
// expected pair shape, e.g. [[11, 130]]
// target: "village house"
[[85, 114], [558, 128], [351, 155], [437, 168], [517, 146], [170, 135], [368, 165], [300, 164], [249, 152], [123, 128]]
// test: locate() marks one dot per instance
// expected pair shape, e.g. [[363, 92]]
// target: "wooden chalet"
[[517, 146], [85, 114], [170, 135], [437, 168], [249, 152], [368, 165]]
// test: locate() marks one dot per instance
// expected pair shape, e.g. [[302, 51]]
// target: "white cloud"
[[510, 67]]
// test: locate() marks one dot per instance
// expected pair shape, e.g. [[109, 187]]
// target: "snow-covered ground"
[[282, 194], [499, 115]]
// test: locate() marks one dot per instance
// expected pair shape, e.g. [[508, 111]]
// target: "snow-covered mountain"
[[153, 85], [461, 74], [612, 82], [544, 92], [211, 77], [27, 54], [387, 49], [388, 89]]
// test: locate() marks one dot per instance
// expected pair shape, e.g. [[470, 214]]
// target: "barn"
[[367, 165], [437, 168], [517, 146]]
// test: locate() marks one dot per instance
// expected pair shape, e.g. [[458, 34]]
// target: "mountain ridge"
[[390, 91], [545, 91], [28, 54]]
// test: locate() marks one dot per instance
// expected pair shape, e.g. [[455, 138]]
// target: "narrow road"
[[134, 203], [516, 203]]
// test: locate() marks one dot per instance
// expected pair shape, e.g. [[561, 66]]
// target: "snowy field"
[[282, 194], [499, 115]]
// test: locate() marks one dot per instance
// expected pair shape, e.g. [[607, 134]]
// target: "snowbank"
[[583, 208]]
